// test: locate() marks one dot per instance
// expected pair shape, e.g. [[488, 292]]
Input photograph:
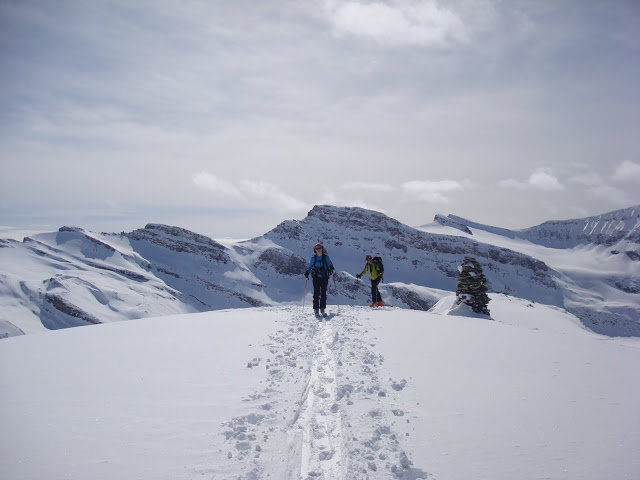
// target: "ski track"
[[320, 420], [344, 422]]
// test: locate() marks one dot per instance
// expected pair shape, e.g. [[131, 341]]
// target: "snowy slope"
[[74, 277], [596, 262], [270, 393]]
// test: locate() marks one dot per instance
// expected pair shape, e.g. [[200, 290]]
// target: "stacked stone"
[[472, 286]]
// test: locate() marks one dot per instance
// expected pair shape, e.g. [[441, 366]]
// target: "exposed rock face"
[[290, 229], [450, 221], [412, 299], [198, 268], [607, 229], [181, 241], [283, 263], [77, 316], [472, 286]]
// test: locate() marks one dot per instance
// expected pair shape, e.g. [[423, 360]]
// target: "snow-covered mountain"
[[75, 277], [411, 257], [595, 260], [621, 227]]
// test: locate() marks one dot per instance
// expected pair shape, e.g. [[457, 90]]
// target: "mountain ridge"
[[73, 277], [605, 229]]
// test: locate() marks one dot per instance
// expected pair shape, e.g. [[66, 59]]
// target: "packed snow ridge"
[[73, 277]]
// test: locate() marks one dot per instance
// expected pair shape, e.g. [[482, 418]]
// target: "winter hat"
[[368, 257]]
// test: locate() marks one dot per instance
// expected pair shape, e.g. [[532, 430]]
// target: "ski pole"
[[336, 287], [304, 296]]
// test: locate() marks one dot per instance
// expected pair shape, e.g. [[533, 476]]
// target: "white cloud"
[[431, 191], [273, 196], [612, 194], [540, 179], [589, 179], [216, 185], [402, 23], [627, 172], [597, 186], [269, 85], [545, 181], [255, 194]]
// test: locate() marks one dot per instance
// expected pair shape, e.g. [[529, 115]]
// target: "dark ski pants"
[[375, 293], [320, 292]]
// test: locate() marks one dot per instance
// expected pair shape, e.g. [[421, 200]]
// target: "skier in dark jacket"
[[320, 268], [375, 277]]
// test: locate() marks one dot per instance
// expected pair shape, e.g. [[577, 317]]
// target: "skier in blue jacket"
[[320, 268]]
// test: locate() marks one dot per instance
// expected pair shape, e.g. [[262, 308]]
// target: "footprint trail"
[[325, 409]]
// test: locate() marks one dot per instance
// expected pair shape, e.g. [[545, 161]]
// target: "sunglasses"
[[318, 248]]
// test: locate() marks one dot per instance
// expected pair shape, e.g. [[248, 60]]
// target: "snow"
[[370, 393], [590, 259], [594, 280], [73, 277]]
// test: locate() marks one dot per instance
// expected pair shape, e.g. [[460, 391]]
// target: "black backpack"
[[377, 262], [323, 269]]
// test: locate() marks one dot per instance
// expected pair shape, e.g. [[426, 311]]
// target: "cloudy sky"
[[227, 117]]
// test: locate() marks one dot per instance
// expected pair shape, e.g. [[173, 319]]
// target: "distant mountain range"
[[73, 277]]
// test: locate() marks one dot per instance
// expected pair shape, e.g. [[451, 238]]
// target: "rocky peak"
[[355, 218], [90, 246], [452, 222], [454, 219], [181, 240], [607, 229], [153, 230], [324, 221]]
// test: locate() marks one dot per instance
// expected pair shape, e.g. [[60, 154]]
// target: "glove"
[[357, 275], [306, 273], [331, 270]]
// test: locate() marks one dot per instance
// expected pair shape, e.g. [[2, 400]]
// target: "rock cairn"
[[472, 286]]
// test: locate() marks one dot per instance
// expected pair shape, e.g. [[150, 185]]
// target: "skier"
[[376, 276], [320, 268]]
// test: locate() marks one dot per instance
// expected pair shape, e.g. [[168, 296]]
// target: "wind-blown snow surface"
[[271, 392]]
